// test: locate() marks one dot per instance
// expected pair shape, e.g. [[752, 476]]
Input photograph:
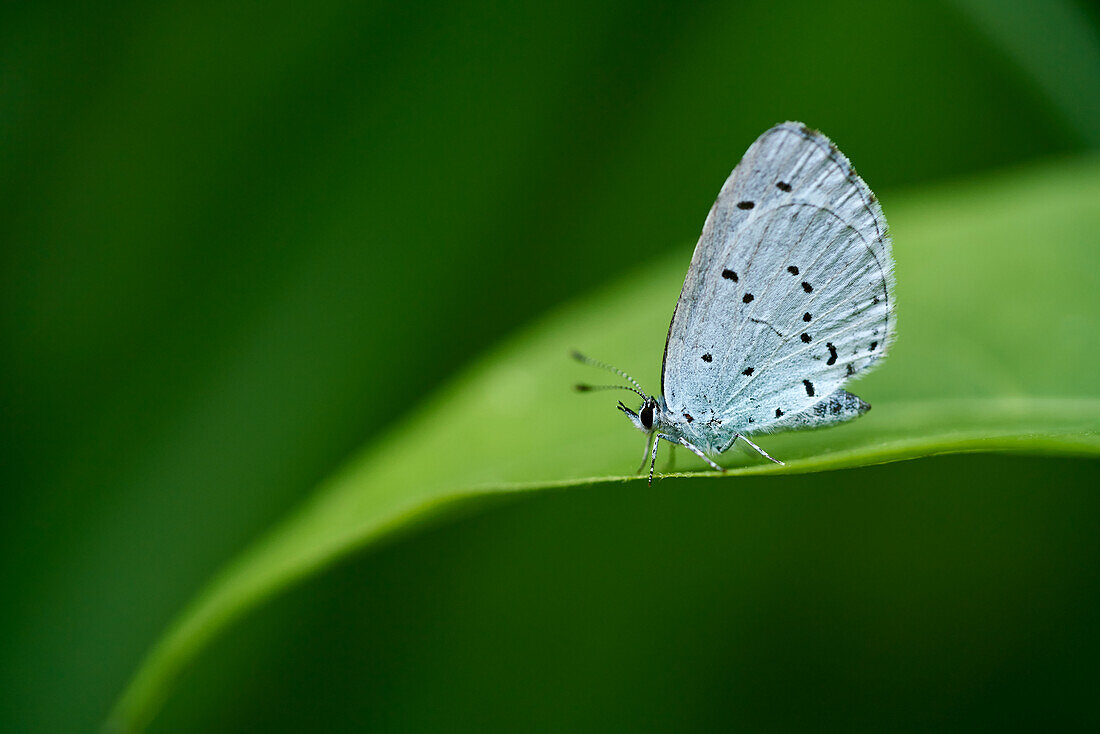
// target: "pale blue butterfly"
[[790, 294]]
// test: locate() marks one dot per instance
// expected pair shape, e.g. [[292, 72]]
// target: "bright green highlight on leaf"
[[997, 346]]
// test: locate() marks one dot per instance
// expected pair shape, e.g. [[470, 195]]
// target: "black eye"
[[647, 416]]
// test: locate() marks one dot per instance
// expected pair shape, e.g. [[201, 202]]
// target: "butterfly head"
[[647, 417]]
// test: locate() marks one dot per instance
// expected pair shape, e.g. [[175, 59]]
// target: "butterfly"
[[790, 294]]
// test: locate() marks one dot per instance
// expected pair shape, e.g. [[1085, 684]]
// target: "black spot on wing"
[[805, 338], [707, 357], [792, 269], [745, 205], [806, 317], [851, 369], [729, 275], [807, 287], [832, 353], [747, 298], [778, 413], [688, 417], [747, 372], [783, 186], [873, 345], [809, 387]]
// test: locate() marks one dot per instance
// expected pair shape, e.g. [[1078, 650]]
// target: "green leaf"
[[997, 349]]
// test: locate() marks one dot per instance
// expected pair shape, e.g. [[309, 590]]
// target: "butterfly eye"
[[646, 416]]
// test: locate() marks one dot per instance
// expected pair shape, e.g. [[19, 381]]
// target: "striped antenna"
[[582, 387], [604, 366]]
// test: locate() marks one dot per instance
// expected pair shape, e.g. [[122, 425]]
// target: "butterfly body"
[[714, 436], [788, 296]]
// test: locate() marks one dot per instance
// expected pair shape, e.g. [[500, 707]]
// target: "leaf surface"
[[997, 346]]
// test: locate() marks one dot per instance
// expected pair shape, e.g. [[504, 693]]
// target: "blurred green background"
[[241, 240]]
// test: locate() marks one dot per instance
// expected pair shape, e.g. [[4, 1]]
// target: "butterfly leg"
[[759, 450], [645, 455], [700, 454], [653, 457]]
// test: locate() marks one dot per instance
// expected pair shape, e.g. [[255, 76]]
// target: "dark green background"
[[240, 240]]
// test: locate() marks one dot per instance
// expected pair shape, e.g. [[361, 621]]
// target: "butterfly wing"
[[789, 293]]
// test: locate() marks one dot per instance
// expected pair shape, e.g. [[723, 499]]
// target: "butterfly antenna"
[[582, 387], [604, 366]]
